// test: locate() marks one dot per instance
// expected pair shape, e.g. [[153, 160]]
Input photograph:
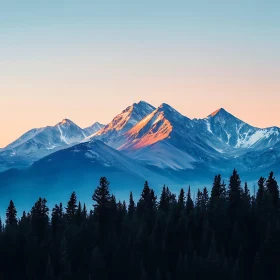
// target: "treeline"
[[227, 234]]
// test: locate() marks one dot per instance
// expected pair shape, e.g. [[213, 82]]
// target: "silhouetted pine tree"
[[246, 197], [261, 197], [71, 208], [103, 203], [273, 191], [227, 235], [79, 216], [189, 202], [11, 214], [234, 196], [181, 200], [57, 219], [131, 206], [84, 212], [205, 199], [40, 218], [163, 201], [218, 194]]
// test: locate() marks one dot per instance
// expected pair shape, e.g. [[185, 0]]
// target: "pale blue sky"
[[87, 60]]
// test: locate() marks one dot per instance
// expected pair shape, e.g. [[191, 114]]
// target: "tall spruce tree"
[[273, 190], [205, 199], [218, 187], [198, 200], [181, 200], [163, 202], [79, 215], [11, 214], [103, 203], [84, 212], [101, 197], [146, 207], [153, 245], [234, 196], [40, 218], [189, 202], [246, 201], [166, 200], [71, 208], [218, 193], [57, 219], [261, 194], [131, 206]]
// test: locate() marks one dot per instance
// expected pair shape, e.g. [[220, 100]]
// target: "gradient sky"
[[88, 60]]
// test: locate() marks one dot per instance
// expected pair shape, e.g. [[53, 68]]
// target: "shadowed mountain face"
[[93, 128], [141, 143], [40, 142], [238, 134], [76, 168], [112, 133], [160, 137]]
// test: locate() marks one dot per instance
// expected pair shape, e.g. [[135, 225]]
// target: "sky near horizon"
[[88, 60]]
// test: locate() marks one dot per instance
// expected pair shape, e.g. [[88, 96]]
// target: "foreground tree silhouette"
[[234, 196], [272, 191], [71, 208], [40, 218], [189, 202], [102, 199], [227, 235], [131, 206], [11, 214], [261, 195]]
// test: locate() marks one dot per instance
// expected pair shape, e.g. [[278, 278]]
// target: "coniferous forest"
[[226, 233]]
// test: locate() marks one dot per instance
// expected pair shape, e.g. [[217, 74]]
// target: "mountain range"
[[142, 142]]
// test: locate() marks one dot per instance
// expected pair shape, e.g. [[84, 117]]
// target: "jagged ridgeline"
[[142, 142], [162, 139], [226, 233]]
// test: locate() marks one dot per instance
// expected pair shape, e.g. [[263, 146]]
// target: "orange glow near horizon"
[[31, 110], [88, 62], [35, 95]]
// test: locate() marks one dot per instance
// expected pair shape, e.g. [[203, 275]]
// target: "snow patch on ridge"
[[247, 142], [208, 126], [62, 137]]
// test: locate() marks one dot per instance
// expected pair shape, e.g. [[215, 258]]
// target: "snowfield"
[[159, 137]]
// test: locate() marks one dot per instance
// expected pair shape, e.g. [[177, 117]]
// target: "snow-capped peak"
[[48, 138], [141, 127], [66, 122], [220, 112], [170, 112], [166, 106], [216, 112], [238, 134], [93, 128], [155, 127], [144, 105], [126, 119]]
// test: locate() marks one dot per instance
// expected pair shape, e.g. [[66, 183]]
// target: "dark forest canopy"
[[225, 234]]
